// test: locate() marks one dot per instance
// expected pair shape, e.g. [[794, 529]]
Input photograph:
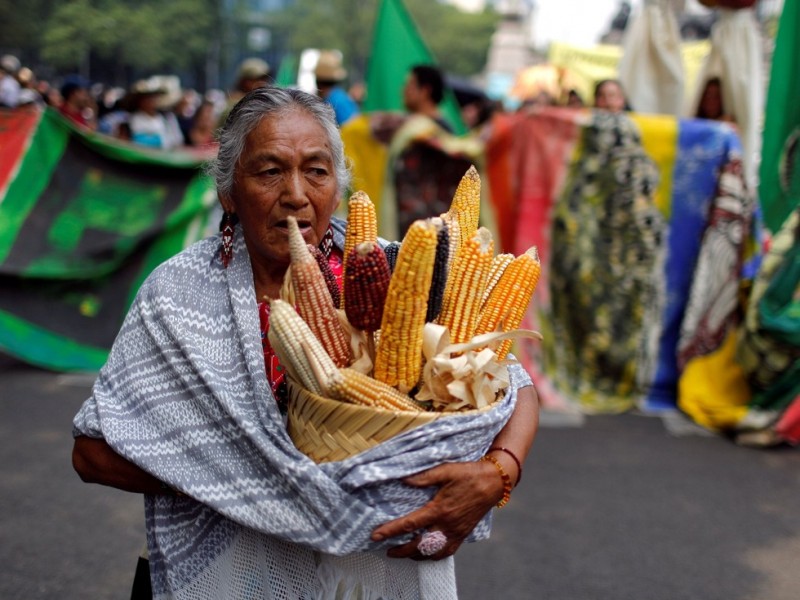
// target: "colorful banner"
[[618, 207], [83, 220]]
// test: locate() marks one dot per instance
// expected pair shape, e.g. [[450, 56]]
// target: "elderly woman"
[[186, 410]]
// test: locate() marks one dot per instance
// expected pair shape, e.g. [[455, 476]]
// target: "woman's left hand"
[[467, 491]]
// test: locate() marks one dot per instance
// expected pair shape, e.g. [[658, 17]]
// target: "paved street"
[[617, 508]]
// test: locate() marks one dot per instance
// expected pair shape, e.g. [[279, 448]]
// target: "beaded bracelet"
[[513, 456], [504, 476]]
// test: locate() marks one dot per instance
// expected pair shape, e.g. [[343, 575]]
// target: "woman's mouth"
[[304, 225]]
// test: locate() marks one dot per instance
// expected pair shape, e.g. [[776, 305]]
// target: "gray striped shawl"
[[184, 395]]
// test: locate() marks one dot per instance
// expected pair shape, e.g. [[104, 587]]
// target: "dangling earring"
[[226, 227]]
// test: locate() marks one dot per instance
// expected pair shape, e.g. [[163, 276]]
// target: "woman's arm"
[[467, 491], [96, 462]]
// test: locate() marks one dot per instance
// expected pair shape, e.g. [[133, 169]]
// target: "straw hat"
[[252, 68], [329, 66]]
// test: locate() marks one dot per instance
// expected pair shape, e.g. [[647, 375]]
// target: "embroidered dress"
[[184, 395]]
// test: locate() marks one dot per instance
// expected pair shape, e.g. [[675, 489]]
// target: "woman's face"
[[610, 97], [286, 169]]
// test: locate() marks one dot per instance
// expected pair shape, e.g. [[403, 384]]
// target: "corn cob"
[[509, 300], [440, 268], [362, 225], [367, 275], [298, 349], [314, 302], [465, 285], [357, 388], [499, 264], [466, 204], [391, 251], [398, 356], [327, 274]]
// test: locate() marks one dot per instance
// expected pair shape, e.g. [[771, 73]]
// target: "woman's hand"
[[467, 491]]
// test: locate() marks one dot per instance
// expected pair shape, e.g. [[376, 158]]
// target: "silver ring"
[[431, 543]]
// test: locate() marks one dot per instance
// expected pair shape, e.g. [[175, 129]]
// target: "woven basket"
[[328, 430]]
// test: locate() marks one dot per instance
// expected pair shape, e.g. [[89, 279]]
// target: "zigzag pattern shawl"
[[184, 395]]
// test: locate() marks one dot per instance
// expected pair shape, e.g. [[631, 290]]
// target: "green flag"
[[779, 185], [396, 47], [287, 74]]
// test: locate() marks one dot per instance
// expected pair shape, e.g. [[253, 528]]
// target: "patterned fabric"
[[714, 300], [604, 267], [184, 395]]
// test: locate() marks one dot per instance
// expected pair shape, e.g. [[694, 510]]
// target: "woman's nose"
[[294, 189]]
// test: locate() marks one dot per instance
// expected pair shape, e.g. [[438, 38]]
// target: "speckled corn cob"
[[314, 302], [465, 285], [356, 387], [509, 300], [398, 356], [327, 274], [367, 275]]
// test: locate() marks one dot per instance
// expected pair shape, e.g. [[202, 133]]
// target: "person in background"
[[710, 105], [423, 92], [574, 100], [609, 96], [9, 86], [329, 74], [148, 125], [253, 73], [203, 127], [77, 104], [29, 94]]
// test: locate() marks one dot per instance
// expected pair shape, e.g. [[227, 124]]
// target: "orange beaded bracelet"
[[504, 476]]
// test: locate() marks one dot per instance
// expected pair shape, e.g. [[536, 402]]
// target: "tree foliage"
[[147, 36], [458, 40]]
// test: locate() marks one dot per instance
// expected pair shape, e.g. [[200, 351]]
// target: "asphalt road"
[[612, 508]]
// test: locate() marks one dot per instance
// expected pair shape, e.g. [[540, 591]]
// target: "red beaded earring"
[[226, 227]]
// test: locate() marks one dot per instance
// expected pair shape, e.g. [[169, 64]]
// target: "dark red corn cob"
[[330, 278], [367, 277]]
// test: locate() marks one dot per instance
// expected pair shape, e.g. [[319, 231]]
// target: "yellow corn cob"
[[509, 300], [499, 264], [466, 204], [398, 355], [313, 300], [298, 349], [465, 285], [362, 226], [357, 388]]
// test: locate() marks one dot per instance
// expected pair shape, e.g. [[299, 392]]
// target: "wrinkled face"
[[610, 97], [286, 169]]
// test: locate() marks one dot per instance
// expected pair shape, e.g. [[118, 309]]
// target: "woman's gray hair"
[[248, 113]]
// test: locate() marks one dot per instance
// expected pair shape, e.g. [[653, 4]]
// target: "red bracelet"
[[512, 455], [504, 477]]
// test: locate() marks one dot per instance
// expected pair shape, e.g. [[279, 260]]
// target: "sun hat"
[[329, 66], [253, 68]]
